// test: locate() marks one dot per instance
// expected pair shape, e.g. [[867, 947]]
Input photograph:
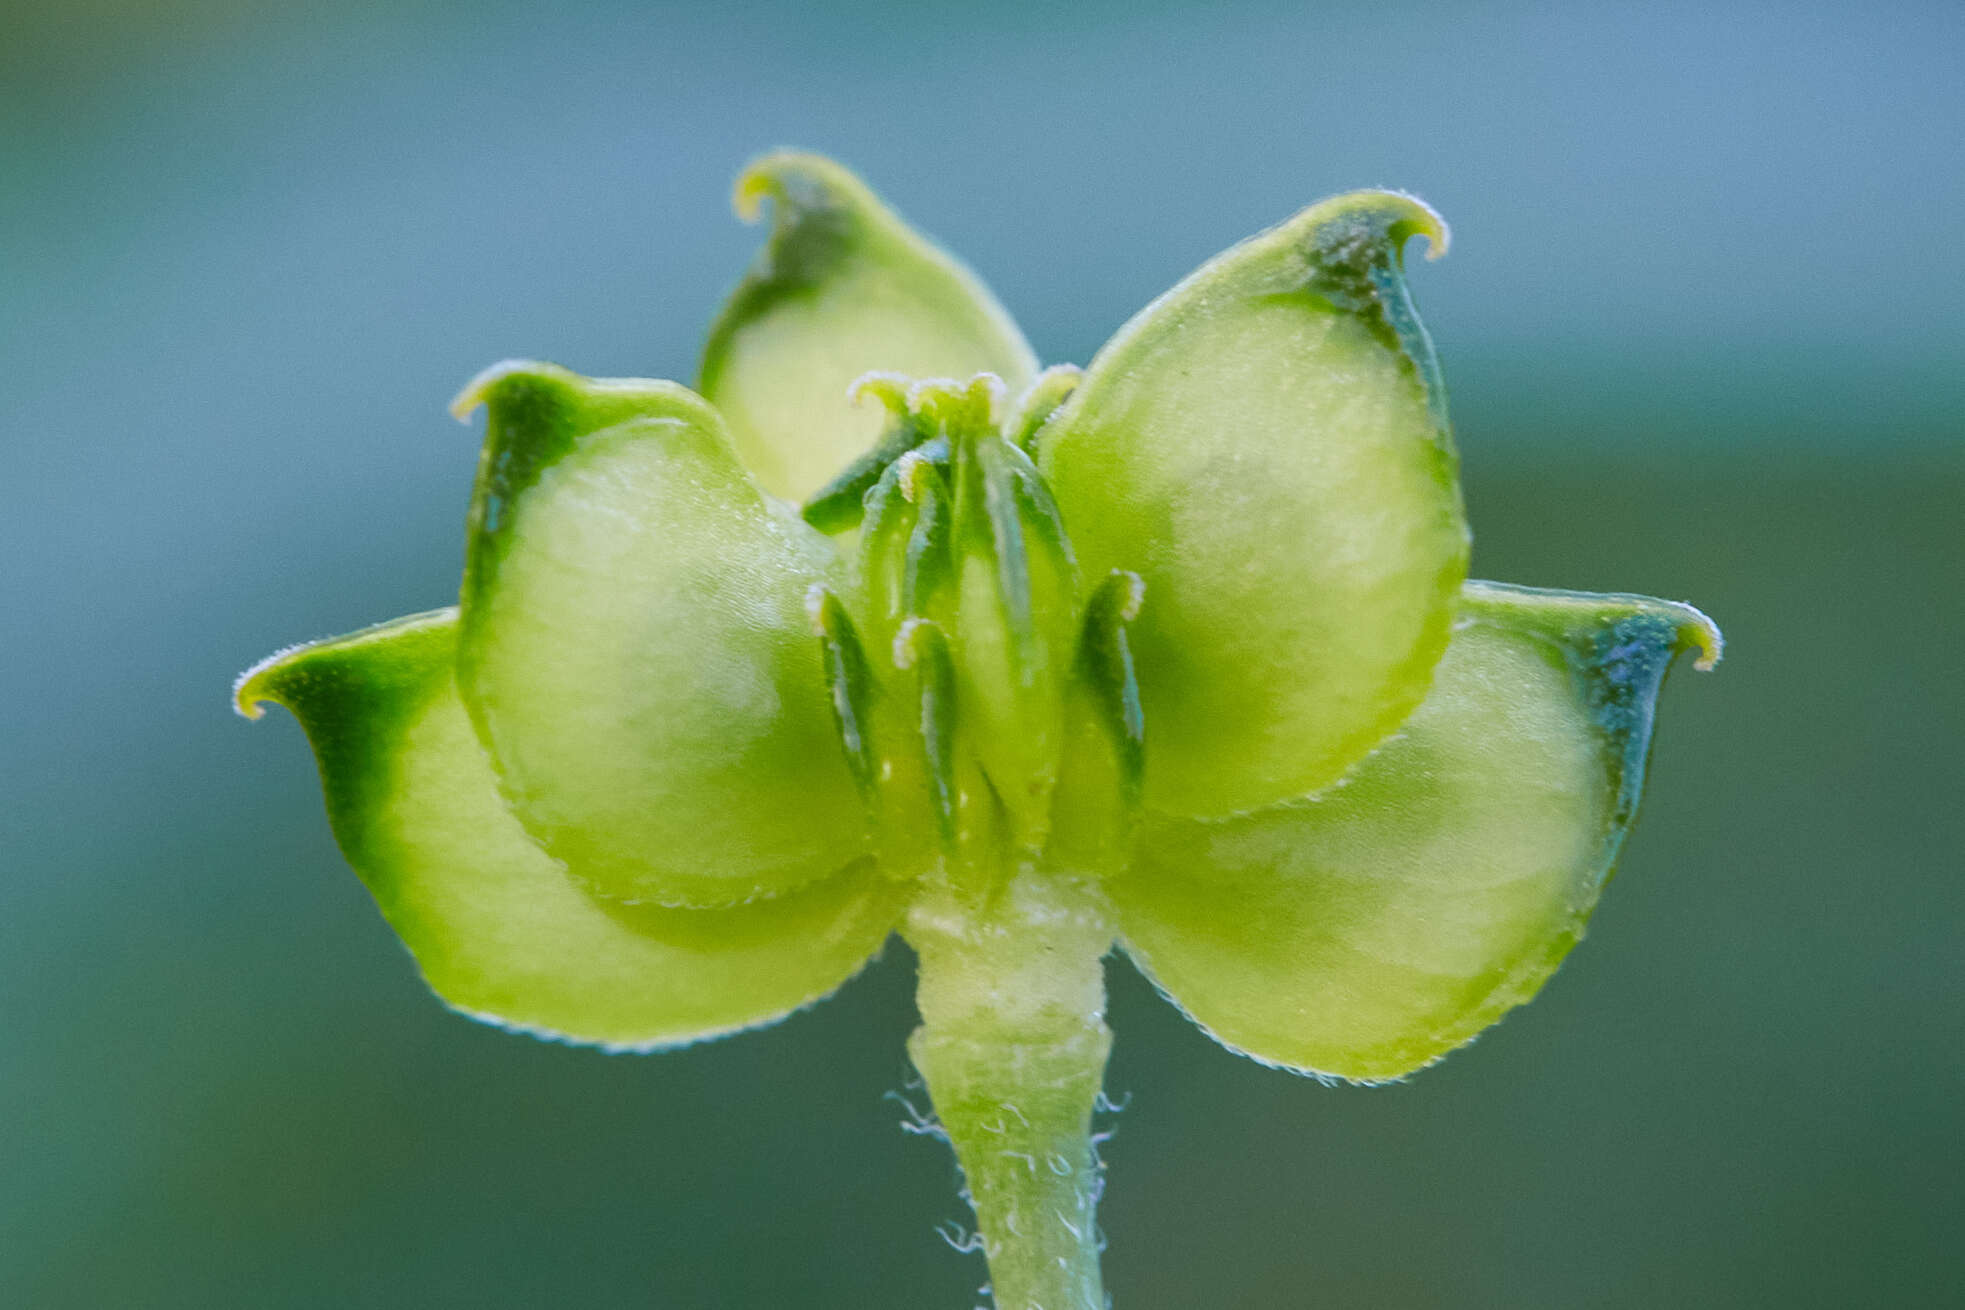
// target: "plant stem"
[[1013, 1046]]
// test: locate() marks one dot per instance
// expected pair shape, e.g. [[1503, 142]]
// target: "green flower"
[[884, 629]]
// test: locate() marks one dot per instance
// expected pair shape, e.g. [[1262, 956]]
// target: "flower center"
[[964, 573]]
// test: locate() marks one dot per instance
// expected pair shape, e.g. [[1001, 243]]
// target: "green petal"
[[842, 287], [1367, 931], [1266, 446], [498, 929], [635, 648]]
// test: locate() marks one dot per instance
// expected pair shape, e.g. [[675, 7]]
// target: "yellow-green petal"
[[635, 649], [497, 928], [842, 287], [1266, 445], [1369, 930]]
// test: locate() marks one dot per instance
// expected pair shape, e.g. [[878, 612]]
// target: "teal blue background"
[[1703, 324]]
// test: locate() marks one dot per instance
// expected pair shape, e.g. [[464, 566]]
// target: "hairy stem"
[[1013, 1046]]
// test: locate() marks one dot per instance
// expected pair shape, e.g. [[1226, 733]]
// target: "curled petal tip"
[[747, 196], [761, 179], [1348, 225], [1429, 223], [1698, 632], [248, 704], [1409, 216], [796, 180], [1692, 630], [478, 390], [250, 690], [1668, 627]]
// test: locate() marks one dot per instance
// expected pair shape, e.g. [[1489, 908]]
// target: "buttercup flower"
[[883, 629]]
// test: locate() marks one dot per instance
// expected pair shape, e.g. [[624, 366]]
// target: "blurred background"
[[1704, 325]]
